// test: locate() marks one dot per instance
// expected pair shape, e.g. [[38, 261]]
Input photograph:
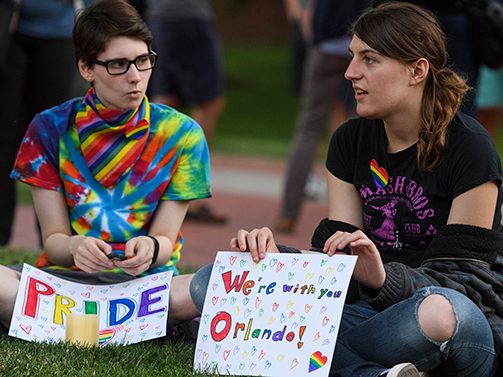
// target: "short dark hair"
[[103, 20]]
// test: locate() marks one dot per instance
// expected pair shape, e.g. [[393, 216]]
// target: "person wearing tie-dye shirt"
[[111, 171]]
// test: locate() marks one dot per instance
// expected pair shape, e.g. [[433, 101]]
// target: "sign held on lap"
[[128, 312], [278, 316]]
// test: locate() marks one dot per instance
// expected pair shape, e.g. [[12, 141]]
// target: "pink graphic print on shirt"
[[400, 206]]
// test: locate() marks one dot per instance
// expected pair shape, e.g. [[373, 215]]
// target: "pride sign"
[[279, 316], [129, 312]]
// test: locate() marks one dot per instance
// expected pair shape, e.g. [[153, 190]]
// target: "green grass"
[[10, 256], [261, 108], [23, 193], [154, 358]]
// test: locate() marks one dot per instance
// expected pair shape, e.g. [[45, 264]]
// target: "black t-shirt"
[[403, 207]]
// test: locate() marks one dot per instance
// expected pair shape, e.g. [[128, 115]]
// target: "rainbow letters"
[[129, 312]]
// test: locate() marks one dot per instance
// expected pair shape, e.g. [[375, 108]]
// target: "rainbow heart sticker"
[[105, 336], [316, 361], [379, 174]]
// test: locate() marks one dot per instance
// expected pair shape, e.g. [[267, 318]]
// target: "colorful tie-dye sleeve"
[[36, 162], [191, 179]]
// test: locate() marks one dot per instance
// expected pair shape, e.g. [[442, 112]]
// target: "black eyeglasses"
[[116, 67]]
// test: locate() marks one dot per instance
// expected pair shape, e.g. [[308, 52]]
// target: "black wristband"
[[156, 249], [326, 228]]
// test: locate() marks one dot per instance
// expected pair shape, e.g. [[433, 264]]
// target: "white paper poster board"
[[274, 318], [129, 312]]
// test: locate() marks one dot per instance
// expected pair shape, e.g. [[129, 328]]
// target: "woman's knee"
[[437, 318], [444, 312], [199, 286]]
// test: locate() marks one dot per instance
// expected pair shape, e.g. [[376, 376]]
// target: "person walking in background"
[[190, 69], [490, 100], [38, 73], [299, 17], [324, 89]]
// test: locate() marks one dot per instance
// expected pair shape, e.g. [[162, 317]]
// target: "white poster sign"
[[273, 318], [129, 312]]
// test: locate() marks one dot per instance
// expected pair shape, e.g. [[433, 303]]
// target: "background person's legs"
[[207, 115], [12, 78], [38, 76], [322, 81], [189, 74]]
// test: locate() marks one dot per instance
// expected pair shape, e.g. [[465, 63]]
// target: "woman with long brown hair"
[[414, 193]]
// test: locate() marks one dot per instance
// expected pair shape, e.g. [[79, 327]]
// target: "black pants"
[[38, 74]]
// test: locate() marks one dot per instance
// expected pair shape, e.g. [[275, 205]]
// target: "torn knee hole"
[[436, 318]]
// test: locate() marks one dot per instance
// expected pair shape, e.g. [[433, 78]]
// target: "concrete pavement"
[[246, 189]]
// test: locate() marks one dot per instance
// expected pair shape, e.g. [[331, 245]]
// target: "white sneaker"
[[403, 370]]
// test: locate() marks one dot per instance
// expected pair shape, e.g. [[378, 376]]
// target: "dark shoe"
[[284, 225], [186, 331], [204, 214]]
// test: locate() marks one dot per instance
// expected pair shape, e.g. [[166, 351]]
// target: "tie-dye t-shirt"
[[173, 166]]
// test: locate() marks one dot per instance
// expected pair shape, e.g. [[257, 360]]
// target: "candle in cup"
[[82, 329]]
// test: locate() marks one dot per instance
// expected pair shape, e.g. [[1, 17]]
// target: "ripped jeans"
[[370, 342]]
